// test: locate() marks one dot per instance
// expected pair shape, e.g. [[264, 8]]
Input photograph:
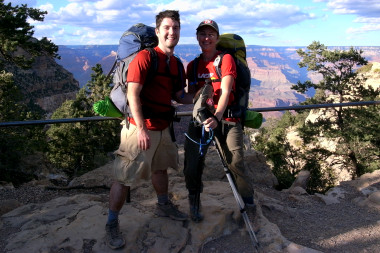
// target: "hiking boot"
[[195, 209], [170, 210], [115, 239]]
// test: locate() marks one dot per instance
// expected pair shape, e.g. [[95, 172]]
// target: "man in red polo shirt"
[[147, 149], [227, 131]]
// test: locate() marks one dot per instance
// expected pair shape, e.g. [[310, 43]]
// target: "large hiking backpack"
[[133, 40], [234, 45]]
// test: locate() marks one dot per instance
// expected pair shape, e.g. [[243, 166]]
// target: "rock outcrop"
[[46, 83], [341, 173], [76, 223]]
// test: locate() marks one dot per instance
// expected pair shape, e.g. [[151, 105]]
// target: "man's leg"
[[193, 169], [237, 168], [165, 207], [234, 155], [160, 182], [118, 194]]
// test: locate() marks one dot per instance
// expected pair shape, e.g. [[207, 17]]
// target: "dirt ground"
[[307, 221]]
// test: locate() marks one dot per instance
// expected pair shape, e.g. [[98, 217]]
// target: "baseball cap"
[[209, 22]]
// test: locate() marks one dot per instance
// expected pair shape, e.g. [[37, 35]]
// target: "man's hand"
[[143, 139], [211, 122]]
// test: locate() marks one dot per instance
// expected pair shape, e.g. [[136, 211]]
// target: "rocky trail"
[[346, 219]]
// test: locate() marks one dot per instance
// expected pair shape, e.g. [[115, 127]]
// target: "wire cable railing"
[[187, 113]]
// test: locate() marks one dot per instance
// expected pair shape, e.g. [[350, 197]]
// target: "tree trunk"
[[357, 168]]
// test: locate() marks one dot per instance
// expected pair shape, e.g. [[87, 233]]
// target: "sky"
[[259, 22]]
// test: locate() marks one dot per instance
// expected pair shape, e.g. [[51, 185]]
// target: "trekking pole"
[[239, 200]]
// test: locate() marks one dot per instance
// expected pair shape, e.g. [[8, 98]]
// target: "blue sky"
[[259, 22]]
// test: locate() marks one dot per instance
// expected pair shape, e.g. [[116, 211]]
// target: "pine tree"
[[16, 33], [19, 48], [79, 147], [355, 130]]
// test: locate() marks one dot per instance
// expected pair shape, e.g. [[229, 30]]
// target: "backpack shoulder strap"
[[217, 65], [181, 74], [154, 59], [154, 64], [194, 77], [111, 70]]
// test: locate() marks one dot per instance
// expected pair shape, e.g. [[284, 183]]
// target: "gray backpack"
[[135, 39]]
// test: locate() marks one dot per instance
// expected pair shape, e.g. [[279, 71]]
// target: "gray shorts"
[[133, 164]]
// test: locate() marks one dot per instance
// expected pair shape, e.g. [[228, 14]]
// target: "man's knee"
[[119, 186]]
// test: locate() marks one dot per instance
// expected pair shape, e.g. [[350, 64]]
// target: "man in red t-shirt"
[[227, 131], [146, 148]]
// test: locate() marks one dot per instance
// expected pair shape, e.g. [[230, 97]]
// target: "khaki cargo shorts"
[[133, 164]]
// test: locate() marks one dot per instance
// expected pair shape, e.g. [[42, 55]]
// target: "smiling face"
[[207, 38], [168, 34]]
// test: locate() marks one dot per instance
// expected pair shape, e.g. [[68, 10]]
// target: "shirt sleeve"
[[139, 67], [228, 66]]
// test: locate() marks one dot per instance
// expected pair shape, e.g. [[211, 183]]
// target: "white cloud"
[[77, 33], [42, 26], [364, 8], [73, 9], [46, 7], [367, 12], [367, 20], [114, 4], [364, 29], [264, 35], [107, 15], [113, 17]]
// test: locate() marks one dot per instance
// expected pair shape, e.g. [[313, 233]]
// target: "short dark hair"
[[174, 15]]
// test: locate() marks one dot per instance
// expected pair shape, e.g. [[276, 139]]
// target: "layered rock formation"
[[273, 69], [46, 83]]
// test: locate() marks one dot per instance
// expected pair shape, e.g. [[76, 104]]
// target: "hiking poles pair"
[[239, 199]]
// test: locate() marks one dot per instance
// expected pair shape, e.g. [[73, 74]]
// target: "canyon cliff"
[[273, 69], [46, 83]]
